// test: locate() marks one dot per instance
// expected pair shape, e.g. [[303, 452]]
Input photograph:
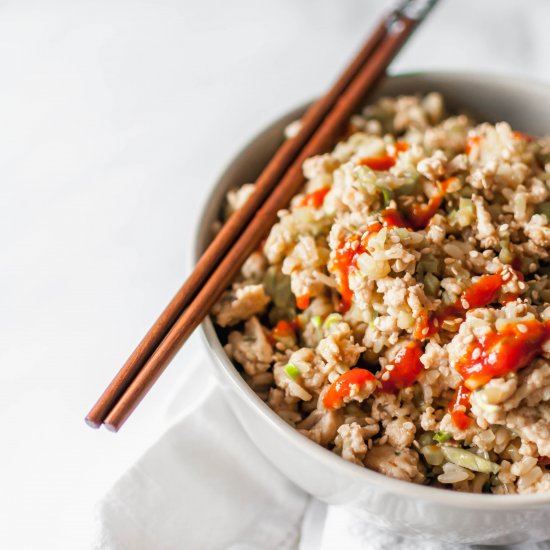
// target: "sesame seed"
[[386, 376], [390, 367], [506, 276], [476, 354], [425, 331], [465, 303], [492, 358], [522, 328], [522, 285]]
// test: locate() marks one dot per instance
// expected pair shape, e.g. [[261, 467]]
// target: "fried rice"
[[398, 314]]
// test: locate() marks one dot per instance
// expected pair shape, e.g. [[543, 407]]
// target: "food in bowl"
[[398, 313]]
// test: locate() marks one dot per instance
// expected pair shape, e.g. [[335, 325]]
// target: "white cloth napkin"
[[204, 485]]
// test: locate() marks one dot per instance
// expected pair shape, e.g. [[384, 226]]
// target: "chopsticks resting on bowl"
[[320, 128]]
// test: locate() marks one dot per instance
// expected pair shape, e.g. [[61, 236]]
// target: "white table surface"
[[115, 118]]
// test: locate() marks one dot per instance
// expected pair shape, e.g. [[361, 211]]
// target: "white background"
[[115, 118]]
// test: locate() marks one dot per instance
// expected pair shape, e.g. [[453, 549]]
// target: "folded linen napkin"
[[204, 485]]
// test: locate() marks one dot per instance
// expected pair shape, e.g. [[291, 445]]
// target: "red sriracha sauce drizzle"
[[491, 358], [385, 162], [345, 260], [458, 407], [471, 142], [406, 368], [404, 373], [497, 354], [316, 198], [483, 292], [283, 329], [381, 164], [341, 387], [420, 215]]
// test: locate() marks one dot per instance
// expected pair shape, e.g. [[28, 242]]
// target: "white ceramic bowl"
[[409, 509]]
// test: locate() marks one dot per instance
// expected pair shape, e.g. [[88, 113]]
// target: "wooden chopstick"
[[229, 233], [325, 121]]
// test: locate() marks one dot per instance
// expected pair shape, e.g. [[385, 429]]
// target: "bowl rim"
[[317, 452]]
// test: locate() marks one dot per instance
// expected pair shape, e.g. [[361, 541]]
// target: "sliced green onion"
[[388, 196], [293, 371], [470, 460], [316, 321], [442, 437], [331, 319]]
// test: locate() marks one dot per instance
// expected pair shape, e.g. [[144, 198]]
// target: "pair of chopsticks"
[[321, 126]]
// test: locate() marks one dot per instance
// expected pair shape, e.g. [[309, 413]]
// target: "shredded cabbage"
[[373, 269], [465, 215], [433, 455], [428, 264], [431, 284], [277, 286], [467, 459]]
